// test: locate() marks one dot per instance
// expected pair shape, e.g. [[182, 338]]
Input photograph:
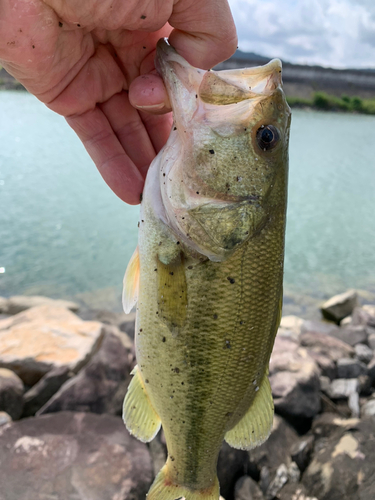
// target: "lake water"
[[64, 234]]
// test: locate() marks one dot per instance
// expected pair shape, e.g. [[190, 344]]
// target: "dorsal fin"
[[131, 283]]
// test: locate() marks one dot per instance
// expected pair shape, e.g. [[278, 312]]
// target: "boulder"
[[100, 386], [363, 353], [19, 303], [247, 489], [341, 388], [267, 458], [290, 326], [371, 338], [350, 368], [325, 350], [232, 464], [45, 337], [11, 393], [301, 451], [343, 464], [294, 378], [43, 390], [352, 334], [78, 456], [368, 408], [364, 315], [339, 306], [5, 418]]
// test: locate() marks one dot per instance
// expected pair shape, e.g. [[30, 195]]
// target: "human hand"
[[93, 62]]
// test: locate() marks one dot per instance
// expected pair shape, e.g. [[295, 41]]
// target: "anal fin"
[[139, 416], [256, 425]]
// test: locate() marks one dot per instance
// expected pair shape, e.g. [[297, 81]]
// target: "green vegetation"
[[327, 102]]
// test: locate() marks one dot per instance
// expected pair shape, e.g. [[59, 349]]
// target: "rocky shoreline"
[[64, 373]]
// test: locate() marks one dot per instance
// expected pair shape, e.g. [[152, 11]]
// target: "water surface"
[[64, 234]]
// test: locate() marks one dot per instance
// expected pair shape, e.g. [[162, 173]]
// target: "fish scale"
[[209, 302]]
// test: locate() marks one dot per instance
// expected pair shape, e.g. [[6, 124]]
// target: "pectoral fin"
[[131, 283], [256, 425], [139, 416]]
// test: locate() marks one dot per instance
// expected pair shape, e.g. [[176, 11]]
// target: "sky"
[[335, 33]]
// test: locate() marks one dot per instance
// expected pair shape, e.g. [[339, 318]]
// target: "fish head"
[[224, 168]]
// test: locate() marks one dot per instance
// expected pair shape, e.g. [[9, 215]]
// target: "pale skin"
[[92, 61]]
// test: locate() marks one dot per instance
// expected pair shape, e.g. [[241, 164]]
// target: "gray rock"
[[19, 303], [78, 456], [274, 452], [350, 368], [294, 474], [343, 464], [100, 387], [327, 424], [11, 393], [247, 489], [5, 418], [364, 315], [341, 388], [371, 370], [294, 378], [281, 478], [353, 403], [326, 350], [352, 335], [323, 327], [294, 492], [363, 353], [371, 339], [301, 452], [339, 306], [232, 464], [43, 390], [368, 408]]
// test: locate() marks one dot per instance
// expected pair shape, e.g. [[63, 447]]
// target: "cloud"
[[338, 33]]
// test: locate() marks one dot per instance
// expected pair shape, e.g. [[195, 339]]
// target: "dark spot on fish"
[[140, 197], [229, 414], [160, 243], [177, 243], [141, 330], [197, 192], [143, 16], [190, 267], [33, 46], [183, 421], [241, 322], [155, 269], [163, 175], [163, 339], [60, 24], [231, 280], [171, 273], [78, 25], [227, 344], [138, 224], [212, 151], [143, 47], [182, 383], [245, 129], [172, 460], [176, 370], [174, 128], [146, 380]]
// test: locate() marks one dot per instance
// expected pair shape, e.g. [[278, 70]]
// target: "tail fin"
[[163, 489]]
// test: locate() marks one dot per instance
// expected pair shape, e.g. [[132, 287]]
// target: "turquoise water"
[[64, 234]]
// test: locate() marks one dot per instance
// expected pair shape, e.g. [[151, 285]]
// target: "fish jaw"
[[212, 163]]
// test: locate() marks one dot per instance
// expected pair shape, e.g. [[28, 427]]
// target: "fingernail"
[[153, 107]]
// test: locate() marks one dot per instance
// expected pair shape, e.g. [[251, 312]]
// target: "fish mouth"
[[216, 87]]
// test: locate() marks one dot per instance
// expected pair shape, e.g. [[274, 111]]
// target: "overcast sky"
[[336, 33]]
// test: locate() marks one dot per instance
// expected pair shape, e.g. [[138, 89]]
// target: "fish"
[[206, 277]]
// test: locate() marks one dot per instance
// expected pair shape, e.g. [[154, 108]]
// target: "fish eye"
[[267, 137]]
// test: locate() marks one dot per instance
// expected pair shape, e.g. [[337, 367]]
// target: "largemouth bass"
[[207, 273]]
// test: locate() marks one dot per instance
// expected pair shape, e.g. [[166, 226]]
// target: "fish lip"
[[165, 54]]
